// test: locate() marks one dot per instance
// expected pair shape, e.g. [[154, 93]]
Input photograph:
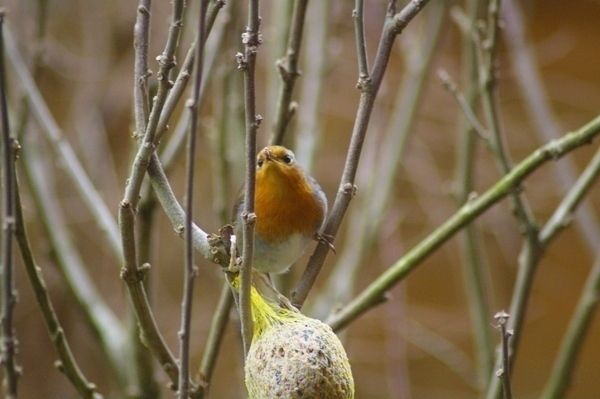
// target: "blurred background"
[[420, 344]]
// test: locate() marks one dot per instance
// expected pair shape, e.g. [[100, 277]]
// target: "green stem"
[[375, 292]]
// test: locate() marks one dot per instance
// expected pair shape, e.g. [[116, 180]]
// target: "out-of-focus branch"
[[537, 104], [279, 23], [68, 364], [315, 58], [8, 293], [564, 365], [247, 63], [394, 24], [466, 108], [288, 71], [97, 313], [375, 292], [102, 215], [475, 270]]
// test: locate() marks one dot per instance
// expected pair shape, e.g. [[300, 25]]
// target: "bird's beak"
[[268, 155]]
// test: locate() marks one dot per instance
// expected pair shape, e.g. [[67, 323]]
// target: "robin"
[[290, 209]]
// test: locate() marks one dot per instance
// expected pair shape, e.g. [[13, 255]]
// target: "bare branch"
[[394, 24], [247, 63], [504, 372], [361, 46], [133, 277], [189, 270]]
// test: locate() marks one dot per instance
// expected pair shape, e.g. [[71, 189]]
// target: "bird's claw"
[[326, 239]]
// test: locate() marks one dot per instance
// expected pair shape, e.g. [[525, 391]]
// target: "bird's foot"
[[325, 239]]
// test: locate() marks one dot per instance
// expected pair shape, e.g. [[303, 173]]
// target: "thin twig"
[[251, 39], [141, 36], [369, 214], [288, 71], [189, 267], [504, 372], [375, 292], [68, 364], [176, 93], [466, 108], [133, 277], [358, 14], [8, 297], [166, 62], [170, 154], [132, 273], [394, 24], [144, 366], [531, 250], [96, 205]]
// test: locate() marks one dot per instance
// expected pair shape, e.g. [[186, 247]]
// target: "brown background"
[[396, 349]]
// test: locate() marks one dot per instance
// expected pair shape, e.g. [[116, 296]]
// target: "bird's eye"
[[287, 159], [259, 162]]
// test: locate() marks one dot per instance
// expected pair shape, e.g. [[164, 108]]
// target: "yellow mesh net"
[[294, 356]]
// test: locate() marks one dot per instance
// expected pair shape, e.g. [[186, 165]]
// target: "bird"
[[290, 209]]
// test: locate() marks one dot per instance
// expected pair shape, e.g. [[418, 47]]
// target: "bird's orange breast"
[[285, 204]]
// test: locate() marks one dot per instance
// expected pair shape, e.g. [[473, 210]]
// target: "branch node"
[[502, 318], [59, 366], [125, 204], [349, 189], [166, 62], [364, 82], [258, 120], [252, 39], [249, 218], [241, 61]]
